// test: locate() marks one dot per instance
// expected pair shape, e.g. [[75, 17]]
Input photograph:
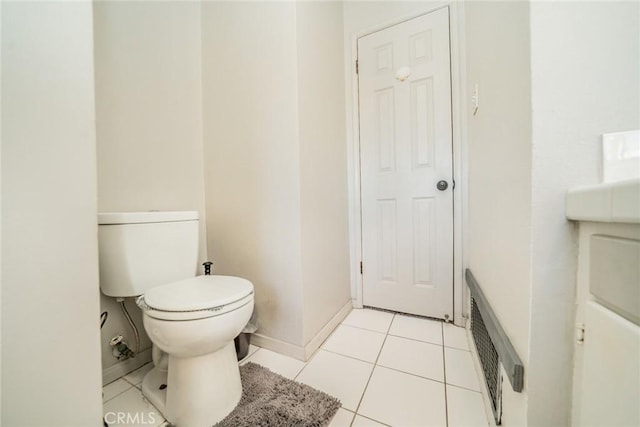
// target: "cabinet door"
[[611, 370]]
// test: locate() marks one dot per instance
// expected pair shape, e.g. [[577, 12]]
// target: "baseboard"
[[281, 347], [326, 330], [121, 369], [299, 352]]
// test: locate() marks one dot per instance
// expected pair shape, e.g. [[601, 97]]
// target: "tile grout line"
[[361, 327], [321, 347], [248, 358], [369, 418], [400, 370], [350, 357], [411, 374], [298, 372], [144, 399], [402, 336], [302, 368], [375, 363], [415, 339], [135, 385], [131, 385], [407, 338], [392, 369], [444, 367], [315, 353], [113, 397], [464, 388]]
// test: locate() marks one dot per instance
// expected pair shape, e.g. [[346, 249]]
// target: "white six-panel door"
[[406, 149]]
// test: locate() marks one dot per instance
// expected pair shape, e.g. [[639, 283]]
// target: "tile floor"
[[386, 369]]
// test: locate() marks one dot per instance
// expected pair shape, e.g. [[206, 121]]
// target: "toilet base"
[[153, 391], [200, 391]]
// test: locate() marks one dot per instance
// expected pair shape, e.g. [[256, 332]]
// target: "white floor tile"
[[414, 357], [342, 418], [250, 352], [286, 366], [372, 320], [416, 328], [455, 336], [339, 376], [400, 399], [355, 342], [405, 388], [465, 408], [360, 421], [113, 389], [459, 369], [137, 376], [252, 349], [131, 409]]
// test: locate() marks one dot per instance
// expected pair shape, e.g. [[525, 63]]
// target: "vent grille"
[[495, 351], [489, 359]]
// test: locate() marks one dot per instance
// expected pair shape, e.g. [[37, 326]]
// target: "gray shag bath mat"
[[269, 399]]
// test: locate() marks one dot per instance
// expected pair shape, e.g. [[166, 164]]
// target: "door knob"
[[442, 185]]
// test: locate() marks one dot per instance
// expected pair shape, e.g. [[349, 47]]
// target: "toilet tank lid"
[[106, 218]]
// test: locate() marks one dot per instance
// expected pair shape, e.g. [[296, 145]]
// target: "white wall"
[[499, 144], [323, 161], [149, 106], [275, 160], [50, 305], [252, 173], [149, 126], [364, 16], [553, 77], [585, 81]]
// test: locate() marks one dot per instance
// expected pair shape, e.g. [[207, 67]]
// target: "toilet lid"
[[198, 293]]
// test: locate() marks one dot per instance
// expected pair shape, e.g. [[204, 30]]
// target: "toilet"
[[191, 320]]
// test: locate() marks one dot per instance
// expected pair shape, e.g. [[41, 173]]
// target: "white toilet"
[[191, 321]]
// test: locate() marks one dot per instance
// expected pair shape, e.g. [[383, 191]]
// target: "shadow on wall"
[[117, 325]]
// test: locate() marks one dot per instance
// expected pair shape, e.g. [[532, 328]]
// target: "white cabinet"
[[606, 390], [610, 370]]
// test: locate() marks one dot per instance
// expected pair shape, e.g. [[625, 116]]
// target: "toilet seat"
[[196, 298]]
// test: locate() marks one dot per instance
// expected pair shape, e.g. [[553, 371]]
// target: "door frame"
[[459, 146]]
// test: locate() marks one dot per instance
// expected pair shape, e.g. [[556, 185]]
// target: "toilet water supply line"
[[133, 326]]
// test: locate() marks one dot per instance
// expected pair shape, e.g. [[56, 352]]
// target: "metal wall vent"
[[494, 347], [489, 360]]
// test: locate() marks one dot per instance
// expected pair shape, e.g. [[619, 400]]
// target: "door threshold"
[[386, 310]]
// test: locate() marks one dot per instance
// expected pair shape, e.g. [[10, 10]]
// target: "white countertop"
[[608, 202]]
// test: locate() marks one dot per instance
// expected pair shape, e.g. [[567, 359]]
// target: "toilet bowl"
[[194, 322], [191, 320]]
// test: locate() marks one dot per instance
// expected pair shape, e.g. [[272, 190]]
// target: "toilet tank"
[[140, 250]]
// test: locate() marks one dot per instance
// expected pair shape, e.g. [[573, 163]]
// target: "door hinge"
[[580, 333], [357, 67], [360, 267]]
